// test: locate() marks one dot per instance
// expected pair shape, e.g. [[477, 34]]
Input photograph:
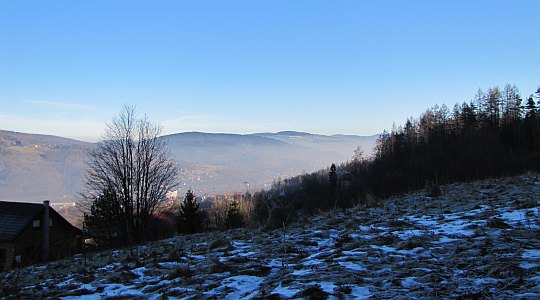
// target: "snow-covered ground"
[[478, 240]]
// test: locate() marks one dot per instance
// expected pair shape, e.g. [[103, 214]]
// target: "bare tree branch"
[[133, 163]]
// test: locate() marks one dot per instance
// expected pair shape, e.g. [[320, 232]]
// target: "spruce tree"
[[190, 217], [531, 109], [234, 216], [104, 222], [332, 178]]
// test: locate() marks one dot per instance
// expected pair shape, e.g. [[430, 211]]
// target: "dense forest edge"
[[495, 134]]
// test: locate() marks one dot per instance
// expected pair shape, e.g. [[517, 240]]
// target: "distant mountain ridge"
[[34, 167], [37, 139]]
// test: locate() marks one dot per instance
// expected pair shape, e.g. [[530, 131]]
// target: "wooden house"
[[24, 240]]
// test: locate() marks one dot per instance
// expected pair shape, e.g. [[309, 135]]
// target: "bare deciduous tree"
[[132, 162]]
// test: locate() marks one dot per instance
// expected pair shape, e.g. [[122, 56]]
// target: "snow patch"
[[531, 254], [360, 293], [246, 286], [285, 291], [355, 266]]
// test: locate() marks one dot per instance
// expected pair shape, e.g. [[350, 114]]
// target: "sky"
[[327, 67]]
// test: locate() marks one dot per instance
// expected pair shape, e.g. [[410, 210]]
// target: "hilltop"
[[35, 167], [477, 240]]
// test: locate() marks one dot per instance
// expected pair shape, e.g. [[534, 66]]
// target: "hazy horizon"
[[96, 139]]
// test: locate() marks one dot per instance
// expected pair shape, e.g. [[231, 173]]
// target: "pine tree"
[[190, 217], [332, 178], [104, 223], [469, 115], [532, 123], [530, 108], [234, 216]]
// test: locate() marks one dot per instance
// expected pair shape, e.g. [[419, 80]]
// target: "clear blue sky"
[[353, 67]]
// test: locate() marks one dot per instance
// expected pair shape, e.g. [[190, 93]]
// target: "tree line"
[[495, 134]]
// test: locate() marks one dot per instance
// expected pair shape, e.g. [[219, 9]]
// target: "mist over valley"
[[36, 167]]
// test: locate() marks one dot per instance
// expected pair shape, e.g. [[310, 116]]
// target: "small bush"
[[343, 239], [371, 201], [432, 189], [218, 244], [410, 244], [345, 289], [180, 272], [498, 223], [526, 204], [124, 277], [305, 242], [312, 292], [387, 239], [278, 217], [400, 223], [217, 267]]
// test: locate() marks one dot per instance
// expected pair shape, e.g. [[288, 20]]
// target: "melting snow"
[[352, 266], [361, 293], [285, 291], [442, 246], [245, 286]]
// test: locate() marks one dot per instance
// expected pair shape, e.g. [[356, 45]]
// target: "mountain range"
[[35, 167]]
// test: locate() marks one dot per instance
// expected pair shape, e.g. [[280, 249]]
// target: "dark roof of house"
[[15, 216]]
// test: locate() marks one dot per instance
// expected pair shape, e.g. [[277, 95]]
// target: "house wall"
[[62, 242], [6, 256]]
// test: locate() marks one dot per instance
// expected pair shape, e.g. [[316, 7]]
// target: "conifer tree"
[[332, 178], [531, 109], [234, 216], [104, 222], [190, 216]]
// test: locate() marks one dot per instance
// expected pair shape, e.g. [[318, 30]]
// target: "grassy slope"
[[478, 239]]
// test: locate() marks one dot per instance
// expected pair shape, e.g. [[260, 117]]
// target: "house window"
[[37, 223]]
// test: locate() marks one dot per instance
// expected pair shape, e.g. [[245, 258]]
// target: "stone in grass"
[[498, 223]]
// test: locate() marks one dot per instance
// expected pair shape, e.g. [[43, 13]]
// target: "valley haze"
[[34, 167]]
